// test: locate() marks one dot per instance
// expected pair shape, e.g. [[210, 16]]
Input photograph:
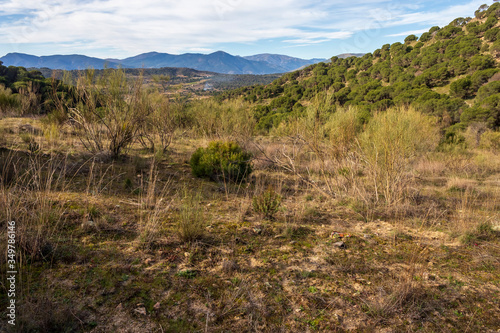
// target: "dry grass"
[[191, 219]]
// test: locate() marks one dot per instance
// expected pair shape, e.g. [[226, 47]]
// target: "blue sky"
[[300, 28]]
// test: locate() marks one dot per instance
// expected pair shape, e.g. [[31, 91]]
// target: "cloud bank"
[[123, 28]]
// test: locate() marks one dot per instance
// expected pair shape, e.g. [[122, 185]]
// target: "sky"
[[300, 28]]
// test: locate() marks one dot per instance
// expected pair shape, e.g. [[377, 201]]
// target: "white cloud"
[[407, 33], [122, 28]]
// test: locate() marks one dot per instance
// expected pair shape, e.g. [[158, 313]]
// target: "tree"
[[461, 88], [410, 39], [480, 12]]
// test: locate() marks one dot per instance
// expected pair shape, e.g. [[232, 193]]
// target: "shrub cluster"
[[268, 203], [222, 160]]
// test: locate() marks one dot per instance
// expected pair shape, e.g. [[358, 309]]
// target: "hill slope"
[[449, 72]]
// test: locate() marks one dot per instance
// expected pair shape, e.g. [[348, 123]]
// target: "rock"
[[88, 225], [148, 261], [119, 307], [156, 306], [340, 245], [26, 128], [141, 311]]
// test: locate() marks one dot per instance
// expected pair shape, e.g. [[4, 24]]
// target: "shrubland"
[[370, 203]]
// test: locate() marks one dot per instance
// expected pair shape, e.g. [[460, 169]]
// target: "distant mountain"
[[283, 62], [67, 62], [219, 62], [347, 55]]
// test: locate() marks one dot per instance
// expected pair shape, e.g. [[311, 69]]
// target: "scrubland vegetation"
[[137, 212]]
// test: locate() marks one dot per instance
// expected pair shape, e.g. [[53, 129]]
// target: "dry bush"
[[153, 209], [430, 167], [191, 219], [369, 167], [406, 297], [30, 99], [110, 112], [158, 127], [29, 201], [456, 184], [390, 145], [466, 212], [226, 120], [473, 134]]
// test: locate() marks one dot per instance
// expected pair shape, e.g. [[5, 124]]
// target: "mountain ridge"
[[219, 62]]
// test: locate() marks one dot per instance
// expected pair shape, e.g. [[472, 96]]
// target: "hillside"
[[448, 72]]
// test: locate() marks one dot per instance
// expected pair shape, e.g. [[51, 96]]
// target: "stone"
[[88, 224], [156, 306], [340, 245], [141, 311]]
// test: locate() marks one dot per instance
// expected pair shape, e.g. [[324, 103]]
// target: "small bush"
[[222, 160], [267, 203], [483, 232], [191, 220]]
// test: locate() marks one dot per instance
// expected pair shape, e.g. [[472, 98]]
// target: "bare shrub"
[[30, 99], [158, 127], [110, 111], [392, 142]]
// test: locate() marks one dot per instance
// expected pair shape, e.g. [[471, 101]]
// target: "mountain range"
[[219, 62]]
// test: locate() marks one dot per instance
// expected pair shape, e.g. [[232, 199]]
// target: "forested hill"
[[25, 91], [449, 72]]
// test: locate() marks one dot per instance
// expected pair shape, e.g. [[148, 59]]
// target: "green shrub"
[[222, 160], [483, 232], [267, 203]]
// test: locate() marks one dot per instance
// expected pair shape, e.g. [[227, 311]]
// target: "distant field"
[[183, 80]]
